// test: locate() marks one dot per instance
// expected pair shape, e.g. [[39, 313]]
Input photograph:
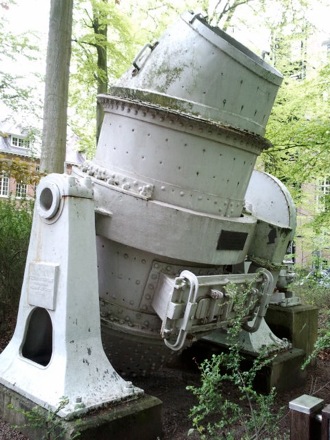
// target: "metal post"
[[325, 423], [304, 425]]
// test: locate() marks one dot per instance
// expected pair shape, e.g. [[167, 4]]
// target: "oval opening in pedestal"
[[38, 343]]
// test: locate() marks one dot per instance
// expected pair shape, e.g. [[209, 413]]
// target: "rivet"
[[162, 188], [181, 193], [137, 282]]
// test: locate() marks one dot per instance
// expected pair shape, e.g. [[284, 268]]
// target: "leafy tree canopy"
[[16, 92]]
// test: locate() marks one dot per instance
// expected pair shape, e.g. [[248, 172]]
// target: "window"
[[323, 195], [21, 190], [4, 185], [20, 142], [325, 186]]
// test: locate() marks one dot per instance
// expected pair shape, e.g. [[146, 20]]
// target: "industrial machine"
[[180, 211], [180, 218]]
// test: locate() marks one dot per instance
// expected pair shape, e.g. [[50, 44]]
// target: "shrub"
[[322, 343], [315, 290], [228, 405], [314, 294], [15, 227]]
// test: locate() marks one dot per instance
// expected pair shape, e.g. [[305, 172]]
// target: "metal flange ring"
[[49, 198]]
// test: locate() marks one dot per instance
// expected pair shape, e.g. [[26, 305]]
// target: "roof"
[[7, 131]]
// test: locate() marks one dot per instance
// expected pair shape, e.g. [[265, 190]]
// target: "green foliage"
[[299, 131], [217, 414], [51, 426], [100, 29], [15, 227], [86, 41], [19, 169], [323, 341], [312, 292], [300, 134], [16, 92]]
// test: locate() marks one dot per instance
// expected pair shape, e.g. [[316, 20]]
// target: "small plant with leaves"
[[48, 423], [322, 343], [228, 405]]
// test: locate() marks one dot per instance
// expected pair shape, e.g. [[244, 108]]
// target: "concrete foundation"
[[139, 418], [283, 372], [298, 324]]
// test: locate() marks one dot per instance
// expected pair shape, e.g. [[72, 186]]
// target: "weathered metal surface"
[[203, 71], [174, 192], [56, 351], [190, 304], [180, 138], [269, 200], [188, 162], [305, 423]]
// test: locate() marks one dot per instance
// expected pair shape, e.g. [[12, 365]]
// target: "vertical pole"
[[325, 423], [304, 425]]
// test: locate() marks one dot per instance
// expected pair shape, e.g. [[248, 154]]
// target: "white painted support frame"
[[56, 350]]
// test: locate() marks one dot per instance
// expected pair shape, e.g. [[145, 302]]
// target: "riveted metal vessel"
[[175, 158], [202, 71]]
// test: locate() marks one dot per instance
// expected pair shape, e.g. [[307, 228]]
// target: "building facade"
[[20, 159], [19, 163]]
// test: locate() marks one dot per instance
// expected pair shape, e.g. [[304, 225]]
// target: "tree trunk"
[[56, 88], [100, 29]]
